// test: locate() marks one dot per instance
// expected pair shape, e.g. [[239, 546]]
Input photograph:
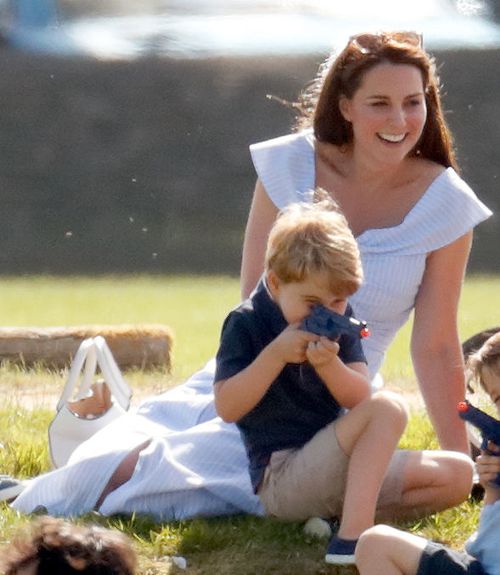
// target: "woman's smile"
[[392, 138]]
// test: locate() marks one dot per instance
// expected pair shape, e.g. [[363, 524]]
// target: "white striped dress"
[[393, 258], [195, 464]]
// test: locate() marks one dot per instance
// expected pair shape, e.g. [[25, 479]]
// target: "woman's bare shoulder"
[[425, 171]]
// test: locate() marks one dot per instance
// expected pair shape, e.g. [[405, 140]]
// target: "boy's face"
[[491, 382], [296, 299]]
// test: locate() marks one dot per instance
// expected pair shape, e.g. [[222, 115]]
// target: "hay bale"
[[144, 346]]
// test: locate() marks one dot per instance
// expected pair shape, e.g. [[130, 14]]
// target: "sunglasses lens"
[[367, 42], [407, 38]]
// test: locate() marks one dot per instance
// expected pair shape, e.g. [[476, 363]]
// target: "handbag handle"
[[94, 351], [112, 374], [85, 356]]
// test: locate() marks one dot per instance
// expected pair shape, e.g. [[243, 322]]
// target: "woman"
[[380, 146]]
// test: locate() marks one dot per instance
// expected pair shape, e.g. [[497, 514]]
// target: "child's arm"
[[239, 394], [488, 468], [348, 383]]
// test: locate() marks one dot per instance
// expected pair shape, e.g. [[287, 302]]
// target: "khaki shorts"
[[310, 481]]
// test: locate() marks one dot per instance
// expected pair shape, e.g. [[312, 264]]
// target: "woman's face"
[[387, 112]]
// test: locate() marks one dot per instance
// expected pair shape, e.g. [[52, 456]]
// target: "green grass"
[[243, 545], [194, 308]]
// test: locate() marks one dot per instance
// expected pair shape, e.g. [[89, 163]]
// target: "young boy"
[[288, 389], [383, 550]]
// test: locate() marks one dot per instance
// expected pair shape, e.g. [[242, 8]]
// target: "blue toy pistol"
[[323, 321], [487, 425]]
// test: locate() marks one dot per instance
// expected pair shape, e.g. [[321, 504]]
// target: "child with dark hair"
[[55, 546]]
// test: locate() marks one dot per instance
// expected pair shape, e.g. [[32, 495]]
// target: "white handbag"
[[87, 405]]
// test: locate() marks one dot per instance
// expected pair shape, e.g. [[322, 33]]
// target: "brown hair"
[[310, 238], [487, 356], [341, 76], [58, 546]]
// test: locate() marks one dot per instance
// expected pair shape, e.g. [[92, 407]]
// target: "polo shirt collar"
[[267, 309]]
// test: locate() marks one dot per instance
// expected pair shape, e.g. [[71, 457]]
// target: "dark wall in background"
[[144, 166]]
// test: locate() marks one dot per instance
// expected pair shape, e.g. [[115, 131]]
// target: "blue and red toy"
[[323, 321], [487, 425]]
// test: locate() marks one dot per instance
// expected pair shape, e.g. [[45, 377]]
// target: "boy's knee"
[[459, 469], [451, 472], [391, 405], [376, 534], [371, 541]]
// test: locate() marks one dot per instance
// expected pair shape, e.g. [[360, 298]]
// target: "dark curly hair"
[[58, 546]]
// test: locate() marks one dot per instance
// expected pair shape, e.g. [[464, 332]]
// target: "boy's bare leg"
[[369, 434], [122, 473], [432, 481], [383, 550]]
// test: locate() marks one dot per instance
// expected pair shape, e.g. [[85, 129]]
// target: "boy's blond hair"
[[312, 238], [487, 356]]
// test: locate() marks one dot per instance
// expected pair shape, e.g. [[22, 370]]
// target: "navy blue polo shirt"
[[297, 404]]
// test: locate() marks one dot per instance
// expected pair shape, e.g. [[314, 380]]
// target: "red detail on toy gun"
[[323, 321]]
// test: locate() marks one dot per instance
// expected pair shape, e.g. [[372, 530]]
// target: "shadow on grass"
[[227, 545]]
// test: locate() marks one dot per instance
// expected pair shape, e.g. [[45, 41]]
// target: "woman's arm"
[[260, 220], [435, 344]]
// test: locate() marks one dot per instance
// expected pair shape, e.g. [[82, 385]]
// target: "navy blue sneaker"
[[10, 488], [341, 551]]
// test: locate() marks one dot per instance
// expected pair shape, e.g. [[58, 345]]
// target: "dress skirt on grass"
[[196, 464]]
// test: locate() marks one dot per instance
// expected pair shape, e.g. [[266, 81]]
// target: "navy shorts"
[[440, 560]]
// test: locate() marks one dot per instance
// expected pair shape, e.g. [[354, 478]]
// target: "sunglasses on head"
[[366, 42]]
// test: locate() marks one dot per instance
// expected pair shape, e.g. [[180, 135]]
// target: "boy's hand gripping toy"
[[487, 425], [322, 321]]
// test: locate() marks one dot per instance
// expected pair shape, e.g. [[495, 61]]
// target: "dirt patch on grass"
[[42, 389]]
